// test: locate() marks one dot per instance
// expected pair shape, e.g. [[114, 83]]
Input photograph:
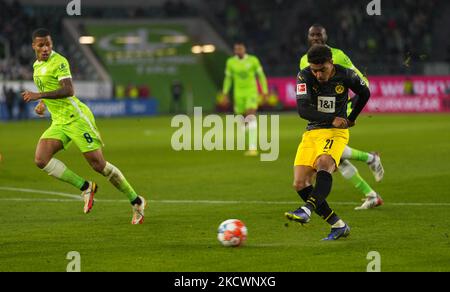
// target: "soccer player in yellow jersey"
[[72, 121], [318, 35], [322, 98]]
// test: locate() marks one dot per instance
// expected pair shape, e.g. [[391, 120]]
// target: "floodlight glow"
[[209, 49], [197, 49], [86, 40]]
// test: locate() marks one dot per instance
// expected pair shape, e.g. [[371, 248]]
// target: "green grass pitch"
[[191, 192]]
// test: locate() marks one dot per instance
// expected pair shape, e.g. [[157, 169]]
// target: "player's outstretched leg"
[[317, 200], [59, 170], [44, 160], [371, 158], [338, 227], [116, 177], [118, 180], [350, 173], [303, 177]]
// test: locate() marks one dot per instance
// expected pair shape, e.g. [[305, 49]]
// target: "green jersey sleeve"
[[63, 69]]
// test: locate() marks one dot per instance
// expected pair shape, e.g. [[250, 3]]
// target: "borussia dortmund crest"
[[340, 89]]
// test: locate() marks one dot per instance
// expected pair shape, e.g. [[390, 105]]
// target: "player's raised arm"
[[359, 87], [305, 106]]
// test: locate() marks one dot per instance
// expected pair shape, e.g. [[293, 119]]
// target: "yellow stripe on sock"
[[312, 203], [332, 212]]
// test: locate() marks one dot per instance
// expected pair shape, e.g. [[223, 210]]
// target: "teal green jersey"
[[242, 73], [339, 58], [47, 75]]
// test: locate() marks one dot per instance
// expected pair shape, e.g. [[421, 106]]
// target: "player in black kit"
[[322, 97]]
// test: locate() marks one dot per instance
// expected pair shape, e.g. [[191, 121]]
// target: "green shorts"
[[243, 104], [83, 132]]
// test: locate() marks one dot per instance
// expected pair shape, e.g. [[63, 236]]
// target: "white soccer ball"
[[232, 232]]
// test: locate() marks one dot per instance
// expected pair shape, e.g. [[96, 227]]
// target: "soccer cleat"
[[251, 153], [138, 212], [376, 167], [298, 215], [88, 196], [370, 203], [337, 233]]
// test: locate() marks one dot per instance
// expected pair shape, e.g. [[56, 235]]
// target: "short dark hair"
[[319, 54], [318, 25], [40, 33], [239, 42]]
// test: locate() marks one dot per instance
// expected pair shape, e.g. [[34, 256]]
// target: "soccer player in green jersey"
[[318, 35], [241, 71], [73, 121]]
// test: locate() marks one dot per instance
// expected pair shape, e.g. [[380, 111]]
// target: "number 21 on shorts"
[[328, 145]]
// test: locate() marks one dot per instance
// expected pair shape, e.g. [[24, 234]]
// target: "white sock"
[[347, 154], [253, 134], [113, 174], [307, 211], [347, 169], [338, 224], [55, 168]]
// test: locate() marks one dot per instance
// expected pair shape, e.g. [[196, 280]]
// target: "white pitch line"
[[76, 198], [33, 191]]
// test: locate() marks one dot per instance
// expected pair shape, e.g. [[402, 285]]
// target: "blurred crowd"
[[403, 36], [399, 41], [11, 99], [17, 22]]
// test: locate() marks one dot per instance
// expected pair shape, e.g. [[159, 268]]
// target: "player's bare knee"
[[300, 184], [97, 165], [41, 162], [325, 163]]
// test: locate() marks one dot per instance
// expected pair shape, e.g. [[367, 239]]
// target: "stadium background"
[[127, 59], [140, 49]]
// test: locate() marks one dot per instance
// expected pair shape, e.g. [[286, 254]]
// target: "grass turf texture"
[[36, 235]]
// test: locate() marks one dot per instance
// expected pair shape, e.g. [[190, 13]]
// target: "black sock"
[[85, 186], [327, 213], [136, 201], [305, 193], [323, 210], [324, 181]]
